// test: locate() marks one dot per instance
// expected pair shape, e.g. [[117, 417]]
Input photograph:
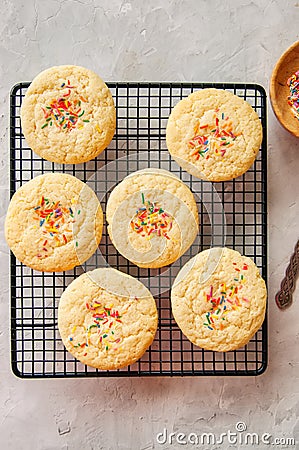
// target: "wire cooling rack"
[[232, 213]]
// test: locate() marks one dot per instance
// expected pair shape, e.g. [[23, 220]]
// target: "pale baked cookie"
[[214, 134], [152, 218], [54, 222], [219, 299], [68, 115], [107, 319]]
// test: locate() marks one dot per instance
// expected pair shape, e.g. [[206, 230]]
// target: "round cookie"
[[68, 115], [54, 222], [214, 134], [219, 299], [107, 319], [152, 218]]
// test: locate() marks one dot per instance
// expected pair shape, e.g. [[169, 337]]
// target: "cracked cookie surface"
[[214, 134], [152, 218], [107, 319], [54, 222], [219, 299], [68, 115]]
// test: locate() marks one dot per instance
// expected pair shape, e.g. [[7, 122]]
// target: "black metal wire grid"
[[232, 213]]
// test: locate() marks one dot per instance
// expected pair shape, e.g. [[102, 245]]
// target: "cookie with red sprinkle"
[[54, 222], [214, 134], [152, 218], [68, 115], [219, 299], [107, 319]]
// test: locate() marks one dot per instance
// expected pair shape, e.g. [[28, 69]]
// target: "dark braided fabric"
[[284, 295]]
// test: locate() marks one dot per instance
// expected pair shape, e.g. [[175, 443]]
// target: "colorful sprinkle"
[[54, 220], [227, 300], [66, 110], [213, 137], [293, 98], [150, 219], [104, 320]]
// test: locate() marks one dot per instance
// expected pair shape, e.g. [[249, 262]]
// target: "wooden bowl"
[[287, 64]]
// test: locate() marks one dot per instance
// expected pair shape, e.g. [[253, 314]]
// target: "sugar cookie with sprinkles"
[[54, 222], [214, 134], [107, 319], [68, 115], [152, 218], [219, 299]]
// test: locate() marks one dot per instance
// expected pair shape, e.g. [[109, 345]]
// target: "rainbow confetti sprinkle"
[[151, 220], [293, 98], [55, 222], [65, 112], [214, 137], [224, 299], [105, 320]]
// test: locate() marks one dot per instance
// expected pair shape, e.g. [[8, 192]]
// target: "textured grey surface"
[[220, 40]]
